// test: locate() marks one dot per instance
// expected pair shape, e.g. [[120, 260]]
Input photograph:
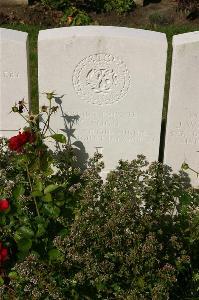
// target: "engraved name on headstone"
[[14, 78], [109, 83], [182, 138]]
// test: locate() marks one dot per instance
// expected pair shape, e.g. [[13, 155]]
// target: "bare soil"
[[163, 13]]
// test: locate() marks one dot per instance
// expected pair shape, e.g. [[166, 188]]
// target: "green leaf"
[[185, 199], [40, 219], [1, 281], [140, 282], [18, 191], [60, 196], [13, 275], [25, 232], [47, 197], [60, 203], [38, 186], [59, 138], [24, 245], [64, 232], [55, 254], [41, 230], [52, 211], [37, 194], [50, 188]]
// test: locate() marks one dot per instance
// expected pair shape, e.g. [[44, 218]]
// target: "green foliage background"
[[119, 6]]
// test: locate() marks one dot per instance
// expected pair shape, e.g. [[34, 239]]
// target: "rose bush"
[[37, 199]]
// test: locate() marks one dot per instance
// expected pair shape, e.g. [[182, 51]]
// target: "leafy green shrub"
[[120, 6], [57, 4], [133, 236], [73, 16]]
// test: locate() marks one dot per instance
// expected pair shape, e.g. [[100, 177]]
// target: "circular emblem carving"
[[101, 79]]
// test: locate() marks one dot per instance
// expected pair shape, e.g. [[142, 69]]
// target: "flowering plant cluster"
[[36, 190], [66, 234]]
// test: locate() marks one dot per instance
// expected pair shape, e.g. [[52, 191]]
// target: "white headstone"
[[111, 84], [14, 78], [182, 138]]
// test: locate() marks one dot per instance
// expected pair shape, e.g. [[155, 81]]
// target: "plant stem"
[[46, 125], [24, 118], [35, 201], [197, 173]]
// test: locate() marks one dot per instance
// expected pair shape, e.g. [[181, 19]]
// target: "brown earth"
[[162, 13]]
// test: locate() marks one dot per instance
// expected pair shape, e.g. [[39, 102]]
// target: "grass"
[[169, 30]]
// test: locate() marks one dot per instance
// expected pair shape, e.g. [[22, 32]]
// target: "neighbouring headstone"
[[13, 2], [14, 78], [109, 83], [182, 138]]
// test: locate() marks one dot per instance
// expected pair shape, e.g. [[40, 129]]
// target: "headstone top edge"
[[10, 34], [89, 31], [186, 38]]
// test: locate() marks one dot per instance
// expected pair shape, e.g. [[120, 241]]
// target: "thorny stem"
[[24, 117], [32, 190], [46, 125], [197, 173]]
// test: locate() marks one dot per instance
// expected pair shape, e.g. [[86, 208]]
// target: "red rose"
[[16, 143], [4, 204], [3, 253]]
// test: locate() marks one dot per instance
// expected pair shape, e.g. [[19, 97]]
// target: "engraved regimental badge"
[[101, 79]]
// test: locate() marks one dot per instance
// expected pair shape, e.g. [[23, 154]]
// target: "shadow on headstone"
[[162, 141], [69, 131]]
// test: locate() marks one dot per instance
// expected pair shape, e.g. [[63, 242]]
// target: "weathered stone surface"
[[139, 2], [109, 83], [182, 138], [14, 78], [13, 2]]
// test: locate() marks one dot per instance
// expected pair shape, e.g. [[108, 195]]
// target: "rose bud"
[[44, 108], [15, 109], [4, 204]]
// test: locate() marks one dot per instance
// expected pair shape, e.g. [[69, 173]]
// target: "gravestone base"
[[13, 2]]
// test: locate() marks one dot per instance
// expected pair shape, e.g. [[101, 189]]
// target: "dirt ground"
[[163, 13]]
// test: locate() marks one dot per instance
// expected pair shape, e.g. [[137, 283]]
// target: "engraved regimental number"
[[101, 79]]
